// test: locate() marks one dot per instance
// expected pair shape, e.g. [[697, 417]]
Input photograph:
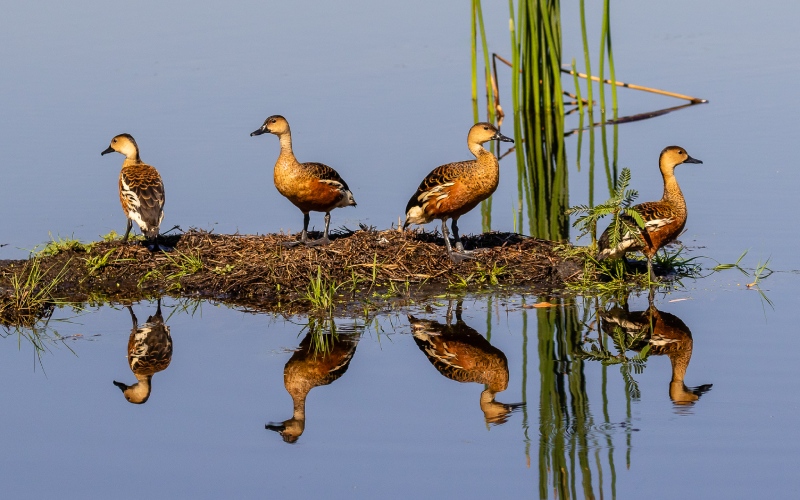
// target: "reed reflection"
[[665, 334], [462, 354], [149, 352], [320, 359]]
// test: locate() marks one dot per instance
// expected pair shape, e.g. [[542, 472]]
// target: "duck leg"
[[460, 254], [127, 231], [324, 240], [650, 273], [456, 257], [303, 236]]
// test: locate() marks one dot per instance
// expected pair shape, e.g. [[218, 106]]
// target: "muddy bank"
[[257, 271]]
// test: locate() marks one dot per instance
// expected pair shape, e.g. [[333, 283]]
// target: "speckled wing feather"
[[655, 214], [325, 173], [141, 185], [149, 348], [440, 176]]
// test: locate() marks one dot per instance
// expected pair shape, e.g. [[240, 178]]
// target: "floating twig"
[[693, 100]]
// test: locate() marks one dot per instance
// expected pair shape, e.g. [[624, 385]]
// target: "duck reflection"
[[462, 354], [320, 359], [667, 335], [149, 352]]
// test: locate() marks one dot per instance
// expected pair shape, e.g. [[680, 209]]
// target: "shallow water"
[[383, 95], [391, 422]]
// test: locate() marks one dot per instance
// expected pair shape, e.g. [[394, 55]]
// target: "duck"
[[460, 353], [664, 220], [450, 191], [667, 335], [149, 352], [311, 366], [141, 190], [311, 187]]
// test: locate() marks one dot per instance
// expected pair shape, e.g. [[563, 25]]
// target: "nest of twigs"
[[259, 271]]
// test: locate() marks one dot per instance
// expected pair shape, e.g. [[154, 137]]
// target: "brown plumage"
[[149, 352], [319, 360], [141, 191], [664, 219], [462, 354], [452, 190], [667, 335], [312, 187]]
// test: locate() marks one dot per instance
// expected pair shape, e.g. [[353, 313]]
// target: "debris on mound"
[[258, 270]]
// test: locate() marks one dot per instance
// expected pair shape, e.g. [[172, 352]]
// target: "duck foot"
[[320, 242], [155, 247], [459, 257]]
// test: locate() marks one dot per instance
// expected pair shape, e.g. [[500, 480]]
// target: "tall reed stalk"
[[538, 110], [478, 30]]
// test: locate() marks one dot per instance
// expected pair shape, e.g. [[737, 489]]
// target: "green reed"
[[491, 94], [538, 113], [565, 417]]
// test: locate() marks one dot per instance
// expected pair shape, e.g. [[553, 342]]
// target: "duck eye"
[[485, 128]]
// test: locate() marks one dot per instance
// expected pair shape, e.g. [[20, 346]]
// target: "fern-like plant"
[[625, 218]]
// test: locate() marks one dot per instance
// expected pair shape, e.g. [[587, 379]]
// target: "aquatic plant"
[[32, 294], [321, 293], [619, 206]]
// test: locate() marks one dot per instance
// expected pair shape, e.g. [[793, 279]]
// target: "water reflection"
[[321, 358], [149, 352], [462, 354], [665, 334]]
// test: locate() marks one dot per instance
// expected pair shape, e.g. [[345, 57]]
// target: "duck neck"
[[131, 161], [299, 404], [286, 157], [477, 149], [672, 192]]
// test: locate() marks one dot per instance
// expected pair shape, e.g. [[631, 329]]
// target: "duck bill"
[[121, 386], [692, 160], [107, 150], [257, 132], [500, 137]]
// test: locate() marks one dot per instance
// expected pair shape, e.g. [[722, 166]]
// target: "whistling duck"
[[141, 190], [452, 190], [666, 334], [663, 220], [319, 360], [310, 186], [462, 354], [149, 352]]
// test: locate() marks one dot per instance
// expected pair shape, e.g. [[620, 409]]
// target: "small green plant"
[[760, 273], [98, 262], [59, 244], [624, 218], [354, 284], [490, 276], [395, 289], [153, 274], [185, 265], [32, 294], [110, 236], [321, 293], [223, 270], [677, 264], [458, 281]]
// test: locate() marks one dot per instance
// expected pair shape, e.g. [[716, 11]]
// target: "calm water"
[[383, 94]]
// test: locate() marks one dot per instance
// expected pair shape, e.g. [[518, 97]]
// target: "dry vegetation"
[[258, 272]]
